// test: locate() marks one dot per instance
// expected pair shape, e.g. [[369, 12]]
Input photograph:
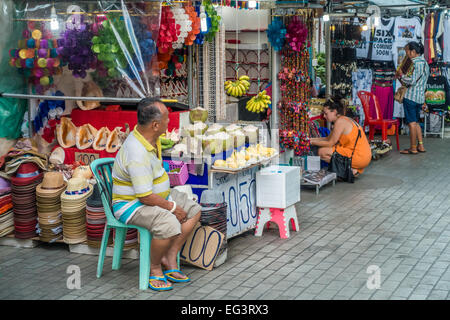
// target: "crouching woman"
[[343, 138]]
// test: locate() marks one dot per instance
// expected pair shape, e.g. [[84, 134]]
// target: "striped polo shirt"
[[418, 81], [137, 172]]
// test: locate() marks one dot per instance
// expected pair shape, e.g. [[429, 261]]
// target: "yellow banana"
[[244, 78]]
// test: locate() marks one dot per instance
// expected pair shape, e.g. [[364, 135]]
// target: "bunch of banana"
[[166, 143], [237, 88], [259, 103]]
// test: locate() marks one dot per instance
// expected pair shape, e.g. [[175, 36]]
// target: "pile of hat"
[[73, 207], [6, 212], [48, 197], [95, 219], [23, 151], [24, 184]]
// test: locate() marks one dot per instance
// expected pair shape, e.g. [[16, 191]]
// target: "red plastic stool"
[[279, 216]]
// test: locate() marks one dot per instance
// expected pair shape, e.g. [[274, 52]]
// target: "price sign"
[[86, 157], [226, 184], [202, 246], [239, 192], [246, 182]]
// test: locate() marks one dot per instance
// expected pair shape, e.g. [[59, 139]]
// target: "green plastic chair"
[[102, 169]]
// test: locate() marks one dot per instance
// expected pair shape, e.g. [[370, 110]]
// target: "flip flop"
[[158, 288], [408, 151], [421, 151], [173, 279]]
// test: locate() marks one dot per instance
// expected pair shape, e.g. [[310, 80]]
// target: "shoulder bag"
[[342, 165]]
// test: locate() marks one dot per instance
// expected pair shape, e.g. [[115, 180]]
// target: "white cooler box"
[[277, 187]]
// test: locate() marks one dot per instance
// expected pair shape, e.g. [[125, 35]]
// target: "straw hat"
[[66, 133], [101, 138], [24, 146], [52, 185], [89, 89], [85, 136], [13, 165], [95, 200], [27, 173], [78, 189], [84, 172], [57, 156]]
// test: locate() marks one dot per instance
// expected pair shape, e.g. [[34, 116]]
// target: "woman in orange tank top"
[[343, 137]]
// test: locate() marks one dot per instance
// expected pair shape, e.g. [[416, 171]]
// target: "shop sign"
[[202, 247], [86, 157]]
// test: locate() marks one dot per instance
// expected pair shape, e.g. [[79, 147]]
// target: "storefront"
[[242, 80]]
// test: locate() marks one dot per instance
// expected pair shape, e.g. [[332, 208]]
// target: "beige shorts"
[[161, 222]]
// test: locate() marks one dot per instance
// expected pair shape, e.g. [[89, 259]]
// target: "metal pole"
[[275, 67], [327, 31], [100, 99], [190, 75]]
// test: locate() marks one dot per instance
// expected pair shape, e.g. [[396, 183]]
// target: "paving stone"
[[386, 218]]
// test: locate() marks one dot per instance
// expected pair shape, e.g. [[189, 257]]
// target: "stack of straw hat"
[[48, 196], [24, 184], [73, 207], [6, 212], [95, 219]]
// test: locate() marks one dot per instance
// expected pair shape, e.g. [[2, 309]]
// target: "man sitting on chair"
[[142, 194]]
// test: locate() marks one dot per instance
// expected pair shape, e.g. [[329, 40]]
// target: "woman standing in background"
[[415, 95]]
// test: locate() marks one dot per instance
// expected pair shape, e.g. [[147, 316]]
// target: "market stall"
[[82, 69]]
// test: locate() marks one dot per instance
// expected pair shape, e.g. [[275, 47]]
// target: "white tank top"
[[383, 40]]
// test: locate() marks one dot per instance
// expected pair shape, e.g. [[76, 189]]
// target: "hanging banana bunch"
[[259, 103], [237, 88]]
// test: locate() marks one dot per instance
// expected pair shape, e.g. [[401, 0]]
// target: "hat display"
[[89, 89], [22, 147], [66, 133], [27, 173], [13, 165], [73, 208], [95, 220], [85, 136], [48, 198], [57, 156], [5, 186], [101, 138], [6, 212], [84, 172], [24, 184]]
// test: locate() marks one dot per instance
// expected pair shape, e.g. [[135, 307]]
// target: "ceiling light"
[[326, 17], [365, 27], [252, 4], [54, 25]]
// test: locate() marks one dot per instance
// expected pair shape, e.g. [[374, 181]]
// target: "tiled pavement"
[[396, 216]]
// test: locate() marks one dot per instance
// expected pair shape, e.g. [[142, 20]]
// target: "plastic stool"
[[279, 216]]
